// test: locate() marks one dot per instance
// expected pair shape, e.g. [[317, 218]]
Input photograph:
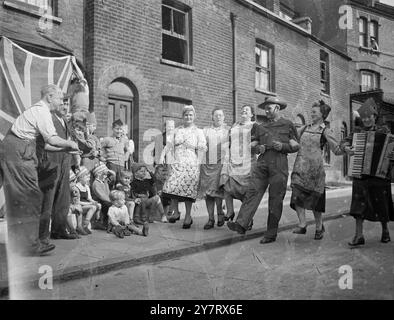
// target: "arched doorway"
[[123, 105]]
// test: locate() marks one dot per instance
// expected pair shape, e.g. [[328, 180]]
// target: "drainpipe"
[[233, 18]]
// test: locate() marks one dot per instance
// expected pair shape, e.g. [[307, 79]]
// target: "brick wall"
[[69, 32], [126, 37]]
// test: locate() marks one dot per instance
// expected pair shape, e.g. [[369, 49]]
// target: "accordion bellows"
[[371, 154]]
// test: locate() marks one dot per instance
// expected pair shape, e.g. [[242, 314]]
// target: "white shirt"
[[117, 215], [35, 121]]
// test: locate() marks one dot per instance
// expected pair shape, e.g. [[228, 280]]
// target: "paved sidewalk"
[[102, 252]]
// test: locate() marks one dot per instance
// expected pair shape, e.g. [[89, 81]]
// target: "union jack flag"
[[22, 74]]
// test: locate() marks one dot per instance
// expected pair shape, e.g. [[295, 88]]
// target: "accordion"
[[371, 155]]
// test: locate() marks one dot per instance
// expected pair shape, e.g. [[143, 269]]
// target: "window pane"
[[263, 58], [323, 70], [166, 18], [179, 22], [263, 80], [361, 26], [258, 53], [175, 49]]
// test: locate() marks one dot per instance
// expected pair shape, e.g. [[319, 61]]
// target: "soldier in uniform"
[[273, 140], [18, 163]]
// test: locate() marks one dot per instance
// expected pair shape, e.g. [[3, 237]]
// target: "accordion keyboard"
[[356, 161]]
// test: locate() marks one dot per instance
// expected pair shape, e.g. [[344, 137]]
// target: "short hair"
[[117, 123], [252, 109], [217, 109], [49, 89], [116, 195], [325, 109], [125, 173]]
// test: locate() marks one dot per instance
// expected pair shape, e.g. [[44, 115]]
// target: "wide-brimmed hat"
[[273, 100]]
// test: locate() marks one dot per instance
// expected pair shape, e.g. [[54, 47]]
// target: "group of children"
[[120, 201]]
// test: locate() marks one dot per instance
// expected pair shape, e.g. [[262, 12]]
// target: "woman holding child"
[[182, 183]]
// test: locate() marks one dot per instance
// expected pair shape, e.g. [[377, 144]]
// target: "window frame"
[[270, 66], [35, 10], [375, 80], [187, 37], [325, 60], [364, 33]]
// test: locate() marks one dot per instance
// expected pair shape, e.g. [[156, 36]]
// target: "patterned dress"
[[217, 142], [308, 176], [235, 175], [184, 175]]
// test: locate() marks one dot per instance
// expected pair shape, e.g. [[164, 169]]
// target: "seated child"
[[90, 207], [124, 185], [148, 203], [119, 221], [74, 216], [103, 178], [161, 174]]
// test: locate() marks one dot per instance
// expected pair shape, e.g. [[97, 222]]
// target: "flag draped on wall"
[[22, 74]]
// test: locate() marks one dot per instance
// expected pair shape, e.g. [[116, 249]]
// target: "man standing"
[[274, 139], [54, 174], [18, 161]]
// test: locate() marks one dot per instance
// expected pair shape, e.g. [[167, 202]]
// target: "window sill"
[[177, 64], [324, 94], [266, 92], [30, 9], [369, 50]]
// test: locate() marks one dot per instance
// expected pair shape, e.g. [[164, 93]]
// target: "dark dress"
[[371, 196]]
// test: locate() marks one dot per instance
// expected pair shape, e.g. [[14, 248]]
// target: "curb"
[[155, 256]]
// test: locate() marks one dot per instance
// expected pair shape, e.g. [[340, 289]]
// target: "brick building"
[[145, 60], [46, 27]]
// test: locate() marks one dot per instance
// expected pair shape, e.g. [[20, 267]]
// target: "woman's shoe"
[[209, 225], [174, 219], [300, 230], [230, 217], [250, 226], [385, 237], [187, 225], [319, 233], [81, 232], [221, 221], [357, 241]]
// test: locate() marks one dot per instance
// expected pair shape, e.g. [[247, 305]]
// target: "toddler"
[[124, 185], [119, 221]]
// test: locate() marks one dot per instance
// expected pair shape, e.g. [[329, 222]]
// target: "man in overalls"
[[273, 140]]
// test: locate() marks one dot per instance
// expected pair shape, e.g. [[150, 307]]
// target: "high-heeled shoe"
[[357, 241], [173, 219], [230, 217], [300, 230], [187, 225], [319, 233]]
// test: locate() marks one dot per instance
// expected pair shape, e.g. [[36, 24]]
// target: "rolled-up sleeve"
[[44, 122]]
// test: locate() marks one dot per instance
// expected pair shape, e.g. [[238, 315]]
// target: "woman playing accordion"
[[371, 195]]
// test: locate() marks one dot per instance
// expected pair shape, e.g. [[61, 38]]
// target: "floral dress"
[[217, 142], [184, 175], [308, 175]]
